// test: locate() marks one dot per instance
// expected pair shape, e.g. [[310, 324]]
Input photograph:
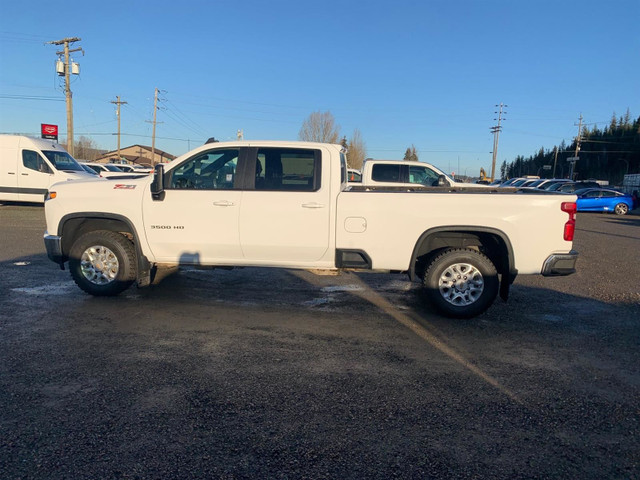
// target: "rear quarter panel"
[[393, 222]]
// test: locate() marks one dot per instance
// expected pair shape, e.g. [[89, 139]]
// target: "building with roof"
[[137, 154]]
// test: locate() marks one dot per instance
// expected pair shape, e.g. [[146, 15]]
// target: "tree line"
[[604, 154]]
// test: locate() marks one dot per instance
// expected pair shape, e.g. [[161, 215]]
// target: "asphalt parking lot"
[[261, 373]]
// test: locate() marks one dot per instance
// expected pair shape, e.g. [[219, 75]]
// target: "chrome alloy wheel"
[[621, 209], [99, 265], [461, 284]]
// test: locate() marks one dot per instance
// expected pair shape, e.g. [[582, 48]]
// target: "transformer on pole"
[[66, 68]]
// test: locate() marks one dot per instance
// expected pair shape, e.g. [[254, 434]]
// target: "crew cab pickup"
[[289, 205], [411, 175]]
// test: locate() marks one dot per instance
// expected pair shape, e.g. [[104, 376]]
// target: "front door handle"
[[223, 203]]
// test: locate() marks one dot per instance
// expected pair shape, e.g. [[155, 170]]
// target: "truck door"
[[197, 221], [285, 214], [34, 176]]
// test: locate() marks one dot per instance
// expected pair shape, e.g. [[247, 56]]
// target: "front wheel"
[[621, 209], [103, 263], [461, 283]]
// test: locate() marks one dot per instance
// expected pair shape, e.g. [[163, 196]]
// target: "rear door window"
[[287, 169]]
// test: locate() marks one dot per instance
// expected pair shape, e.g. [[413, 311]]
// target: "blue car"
[[604, 200]]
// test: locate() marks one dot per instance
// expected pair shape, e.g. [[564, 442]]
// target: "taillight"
[[570, 226]]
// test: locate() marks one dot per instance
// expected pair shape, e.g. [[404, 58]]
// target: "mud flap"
[[506, 279]]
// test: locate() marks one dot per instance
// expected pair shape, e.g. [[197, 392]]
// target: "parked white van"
[[29, 166]]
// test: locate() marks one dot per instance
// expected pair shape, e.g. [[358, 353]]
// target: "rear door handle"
[[312, 205], [224, 203]]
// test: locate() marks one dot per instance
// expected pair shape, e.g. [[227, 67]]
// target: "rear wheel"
[[621, 209], [103, 263], [461, 283]]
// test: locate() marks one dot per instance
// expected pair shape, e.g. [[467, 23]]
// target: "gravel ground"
[[261, 373]]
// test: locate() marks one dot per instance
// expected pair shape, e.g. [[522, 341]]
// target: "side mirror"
[[157, 186], [442, 181]]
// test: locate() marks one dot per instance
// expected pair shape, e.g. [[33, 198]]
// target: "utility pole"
[[153, 135], [575, 156], [496, 134], [118, 103], [555, 161], [67, 87]]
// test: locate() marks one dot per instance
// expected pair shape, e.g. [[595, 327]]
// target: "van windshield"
[[62, 161]]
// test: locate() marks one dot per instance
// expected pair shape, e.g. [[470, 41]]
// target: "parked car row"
[[551, 184], [592, 197], [109, 170]]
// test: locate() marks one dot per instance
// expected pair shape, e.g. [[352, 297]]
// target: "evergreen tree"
[[411, 154], [607, 154], [503, 170], [614, 123], [626, 122]]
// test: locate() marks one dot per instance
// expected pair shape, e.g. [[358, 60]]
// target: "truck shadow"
[[298, 289], [535, 321]]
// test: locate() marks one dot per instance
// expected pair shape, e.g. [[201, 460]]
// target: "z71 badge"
[[122, 186]]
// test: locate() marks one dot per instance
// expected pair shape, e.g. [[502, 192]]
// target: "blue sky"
[[427, 73]]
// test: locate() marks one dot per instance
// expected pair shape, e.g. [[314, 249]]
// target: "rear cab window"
[[385, 172], [288, 169]]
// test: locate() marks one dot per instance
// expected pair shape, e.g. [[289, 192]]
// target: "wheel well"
[[75, 227], [490, 243]]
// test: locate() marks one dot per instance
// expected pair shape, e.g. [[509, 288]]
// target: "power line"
[[33, 97], [176, 114]]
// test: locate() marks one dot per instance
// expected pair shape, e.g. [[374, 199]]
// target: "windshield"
[[112, 168], [62, 161]]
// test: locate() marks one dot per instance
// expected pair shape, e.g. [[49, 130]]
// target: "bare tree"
[[357, 150], [320, 127], [85, 148]]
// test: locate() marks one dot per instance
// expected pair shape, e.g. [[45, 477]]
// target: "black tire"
[[461, 283], [103, 263], [621, 209]]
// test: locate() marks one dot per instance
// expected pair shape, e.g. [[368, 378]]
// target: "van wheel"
[[461, 283], [103, 263]]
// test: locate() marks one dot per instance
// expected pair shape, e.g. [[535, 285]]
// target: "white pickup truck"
[[289, 205], [410, 175]]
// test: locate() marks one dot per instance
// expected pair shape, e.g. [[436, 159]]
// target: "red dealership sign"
[[49, 131]]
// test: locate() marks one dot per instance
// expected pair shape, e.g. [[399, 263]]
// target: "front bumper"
[[53, 244], [560, 264]]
